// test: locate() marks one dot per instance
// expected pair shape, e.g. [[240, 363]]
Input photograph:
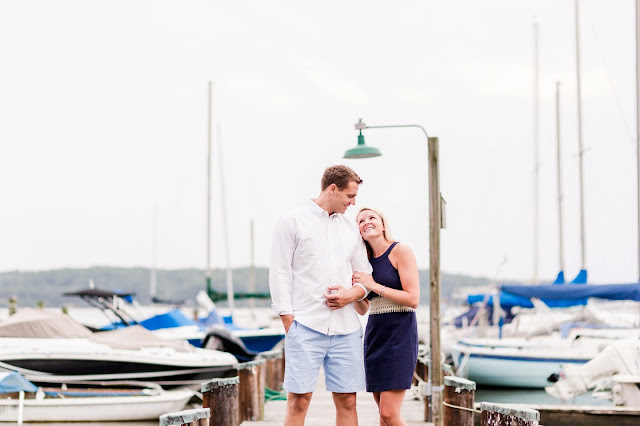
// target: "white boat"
[[613, 374], [28, 403], [529, 363], [169, 322], [73, 353]]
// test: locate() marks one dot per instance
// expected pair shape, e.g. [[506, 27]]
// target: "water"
[[532, 396]]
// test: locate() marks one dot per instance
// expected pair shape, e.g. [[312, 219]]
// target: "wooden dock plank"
[[322, 411]]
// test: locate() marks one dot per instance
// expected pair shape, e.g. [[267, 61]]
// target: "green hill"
[[177, 284]]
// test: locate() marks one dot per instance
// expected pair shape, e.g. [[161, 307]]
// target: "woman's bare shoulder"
[[401, 252]]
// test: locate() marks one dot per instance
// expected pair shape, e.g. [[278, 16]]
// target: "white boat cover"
[[38, 323], [137, 337], [30, 322]]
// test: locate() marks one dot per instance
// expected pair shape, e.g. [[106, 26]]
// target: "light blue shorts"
[[340, 355]]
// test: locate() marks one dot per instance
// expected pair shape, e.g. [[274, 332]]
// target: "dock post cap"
[[250, 364], [217, 383], [270, 354], [459, 382], [184, 417], [526, 414]]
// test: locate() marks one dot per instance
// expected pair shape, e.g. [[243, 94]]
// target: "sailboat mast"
[[536, 165], [559, 159], [208, 259], [153, 279], [638, 122], [223, 203], [580, 146], [252, 271]]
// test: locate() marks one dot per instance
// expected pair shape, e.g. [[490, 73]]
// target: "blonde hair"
[[386, 233]]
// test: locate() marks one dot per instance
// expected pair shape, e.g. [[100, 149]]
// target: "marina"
[[146, 281]]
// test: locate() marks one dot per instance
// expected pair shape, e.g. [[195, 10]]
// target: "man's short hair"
[[340, 175]]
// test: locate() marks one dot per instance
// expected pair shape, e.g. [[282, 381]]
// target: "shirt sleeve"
[[280, 272]]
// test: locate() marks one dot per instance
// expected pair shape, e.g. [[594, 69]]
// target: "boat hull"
[[513, 363], [91, 409], [516, 372]]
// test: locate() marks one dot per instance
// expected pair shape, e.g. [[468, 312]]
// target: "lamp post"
[[436, 220]]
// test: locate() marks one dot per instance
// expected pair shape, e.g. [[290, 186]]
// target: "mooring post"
[[250, 396], [275, 369], [503, 415], [197, 417], [458, 401], [221, 396]]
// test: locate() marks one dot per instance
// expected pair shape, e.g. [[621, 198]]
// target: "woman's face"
[[370, 224]]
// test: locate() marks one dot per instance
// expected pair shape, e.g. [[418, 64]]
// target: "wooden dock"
[[322, 411]]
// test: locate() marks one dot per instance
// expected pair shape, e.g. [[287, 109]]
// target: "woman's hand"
[[364, 279]]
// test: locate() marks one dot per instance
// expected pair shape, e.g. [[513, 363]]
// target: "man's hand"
[[341, 297], [287, 320]]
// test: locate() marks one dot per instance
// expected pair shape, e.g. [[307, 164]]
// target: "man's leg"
[[297, 406], [346, 413], [305, 350]]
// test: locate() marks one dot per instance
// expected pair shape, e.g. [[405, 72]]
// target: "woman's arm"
[[408, 270], [404, 261]]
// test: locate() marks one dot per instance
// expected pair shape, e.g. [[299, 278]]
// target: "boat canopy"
[[575, 292], [559, 295]]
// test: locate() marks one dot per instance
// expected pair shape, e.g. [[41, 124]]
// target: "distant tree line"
[[176, 284]]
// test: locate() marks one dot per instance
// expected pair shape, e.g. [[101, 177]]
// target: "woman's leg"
[[390, 407], [376, 398]]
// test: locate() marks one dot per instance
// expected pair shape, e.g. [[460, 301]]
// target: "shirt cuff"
[[366, 292], [282, 310]]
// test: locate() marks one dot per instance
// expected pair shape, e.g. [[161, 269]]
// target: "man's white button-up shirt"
[[312, 251]]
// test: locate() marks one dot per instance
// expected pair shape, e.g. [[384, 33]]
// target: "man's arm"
[[280, 274], [287, 320], [342, 297]]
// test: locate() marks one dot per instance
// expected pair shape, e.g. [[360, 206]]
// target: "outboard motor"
[[219, 338]]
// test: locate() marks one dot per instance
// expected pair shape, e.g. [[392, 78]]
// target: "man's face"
[[345, 198]]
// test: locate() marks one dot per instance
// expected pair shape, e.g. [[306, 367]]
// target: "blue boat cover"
[[559, 278], [174, 318], [576, 292], [581, 278], [14, 382]]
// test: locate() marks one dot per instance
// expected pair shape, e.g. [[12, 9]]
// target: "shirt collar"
[[319, 211]]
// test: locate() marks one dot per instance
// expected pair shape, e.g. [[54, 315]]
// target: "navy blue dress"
[[391, 339]]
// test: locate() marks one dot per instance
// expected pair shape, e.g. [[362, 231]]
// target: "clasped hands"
[[339, 297]]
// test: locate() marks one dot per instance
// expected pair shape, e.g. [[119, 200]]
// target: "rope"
[[272, 395], [473, 410]]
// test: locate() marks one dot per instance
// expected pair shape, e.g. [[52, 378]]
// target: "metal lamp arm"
[[397, 125]]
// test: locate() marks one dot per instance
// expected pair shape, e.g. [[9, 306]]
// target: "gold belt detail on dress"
[[380, 305]]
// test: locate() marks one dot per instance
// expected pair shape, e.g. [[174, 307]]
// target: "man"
[[315, 251]]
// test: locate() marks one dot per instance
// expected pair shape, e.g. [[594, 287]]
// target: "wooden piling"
[[458, 401], [221, 396], [251, 391], [197, 417], [274, 366], [504, 415]]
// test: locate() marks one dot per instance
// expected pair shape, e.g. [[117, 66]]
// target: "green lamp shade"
[[362, 150]]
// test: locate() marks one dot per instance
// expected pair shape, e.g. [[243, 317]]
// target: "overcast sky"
[[103, 120]]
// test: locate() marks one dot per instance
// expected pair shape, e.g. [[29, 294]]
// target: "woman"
[[391, 337]]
